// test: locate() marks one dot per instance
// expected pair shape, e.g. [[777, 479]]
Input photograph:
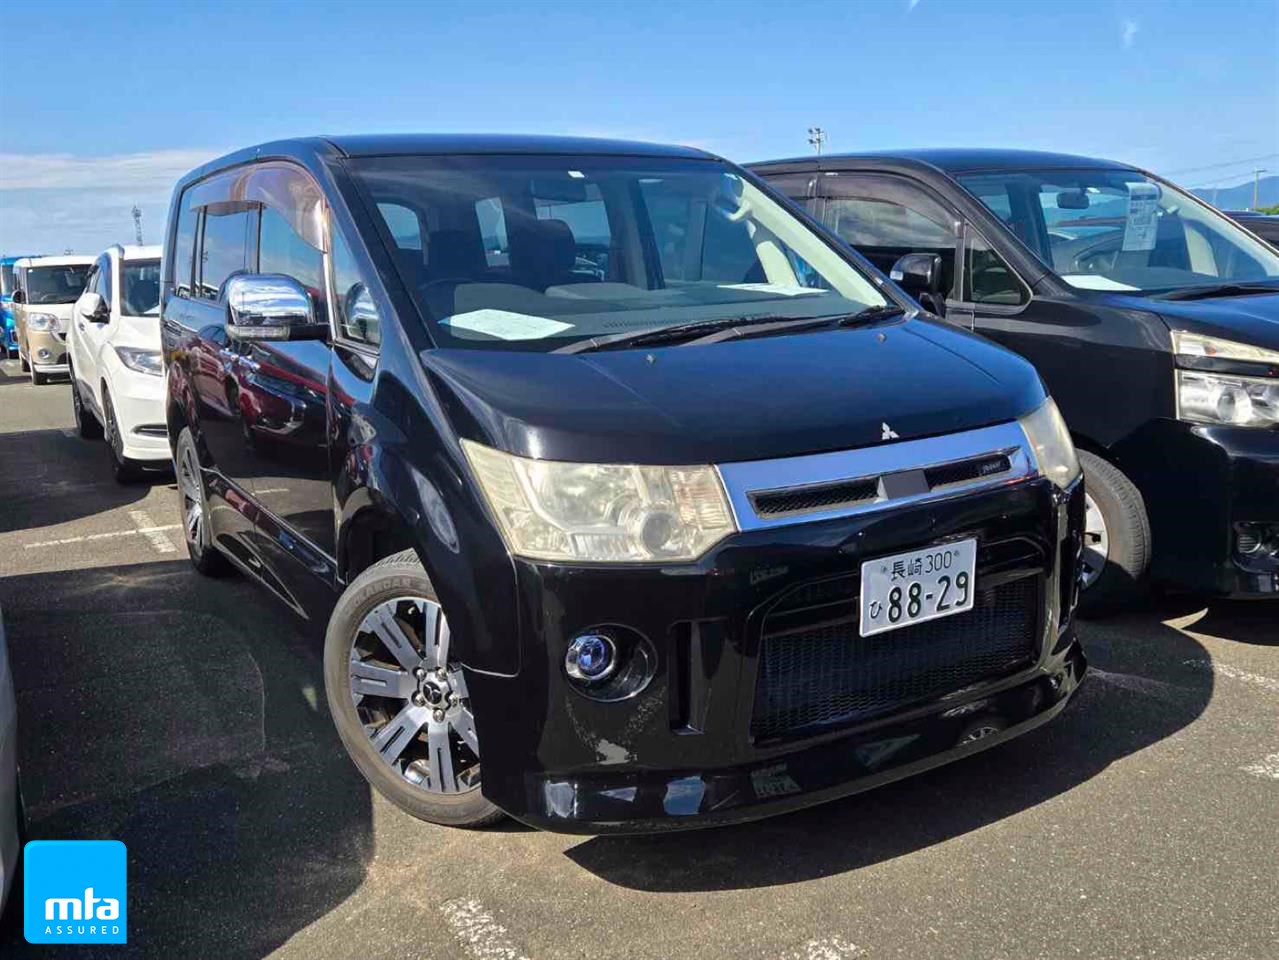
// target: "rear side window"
[[184, 250], [223, 246]]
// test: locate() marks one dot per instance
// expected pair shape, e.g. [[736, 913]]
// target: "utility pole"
[[1256, 185], [817, 137], [137, 223]]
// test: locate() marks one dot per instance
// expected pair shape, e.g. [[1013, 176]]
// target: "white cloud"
[[911, 5], [34, 171], [54, 202], [1128, 33]]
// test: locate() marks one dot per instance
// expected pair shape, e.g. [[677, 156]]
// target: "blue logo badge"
[[74, 891]]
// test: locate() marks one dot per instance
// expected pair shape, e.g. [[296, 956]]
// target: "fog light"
[[1256, 541], [592, 657], [1249, 539], [44, 354]]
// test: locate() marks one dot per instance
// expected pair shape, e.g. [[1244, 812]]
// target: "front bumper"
[[684, 752], [1200, 483], [47, 352], [138, 401]]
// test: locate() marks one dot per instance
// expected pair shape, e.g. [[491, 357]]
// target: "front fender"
[[414, 487]]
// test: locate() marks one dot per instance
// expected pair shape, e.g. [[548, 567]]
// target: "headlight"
[[1054, 450], [143, 361], [1196, 345], [42, 322], [1223, 398], [602, 513]]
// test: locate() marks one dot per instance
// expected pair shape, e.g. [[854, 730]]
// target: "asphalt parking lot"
[[186, 717]]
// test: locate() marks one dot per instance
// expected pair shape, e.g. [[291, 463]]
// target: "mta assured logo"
[[75, 891]]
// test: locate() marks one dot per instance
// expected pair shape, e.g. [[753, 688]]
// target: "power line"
[[1218, 166]]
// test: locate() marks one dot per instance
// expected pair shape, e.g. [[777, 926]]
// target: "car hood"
[[736, 400], [1250, 319]]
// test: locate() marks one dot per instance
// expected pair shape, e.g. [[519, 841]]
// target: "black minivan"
[[1153, 319], [609, 474]]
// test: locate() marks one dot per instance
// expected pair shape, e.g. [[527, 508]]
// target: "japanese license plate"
[[906, 588]]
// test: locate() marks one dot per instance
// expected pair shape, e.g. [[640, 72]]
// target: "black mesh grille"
[[976, 469], [815, 670], [818, 496]]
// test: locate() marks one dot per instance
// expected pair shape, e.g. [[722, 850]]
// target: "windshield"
[[62, 284], [1120, 230], [6, 279], [141, 282], [533, 253]]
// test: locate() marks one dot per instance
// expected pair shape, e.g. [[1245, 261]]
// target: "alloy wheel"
[[192, 497], [1096, 542], [411, 700]]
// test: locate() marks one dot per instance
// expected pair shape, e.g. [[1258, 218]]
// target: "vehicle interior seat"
[[544, 254]]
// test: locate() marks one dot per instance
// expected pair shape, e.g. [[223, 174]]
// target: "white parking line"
[[482, 936], [1267, 768], [146, 526], [1234, 673], [144, 531]]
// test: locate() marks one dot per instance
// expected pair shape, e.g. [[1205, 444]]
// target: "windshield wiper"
[[800, 324], [726, 328], [1218, 290]]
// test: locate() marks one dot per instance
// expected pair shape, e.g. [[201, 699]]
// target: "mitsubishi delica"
[[626, 498]]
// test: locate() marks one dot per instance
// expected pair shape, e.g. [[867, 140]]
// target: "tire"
[[1117, 542], [86, 423], [398, 756], [193, 508], [122, 468], [38, 379], [26, 367]]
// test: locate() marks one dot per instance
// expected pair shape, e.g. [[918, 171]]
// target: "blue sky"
[[140, 92]]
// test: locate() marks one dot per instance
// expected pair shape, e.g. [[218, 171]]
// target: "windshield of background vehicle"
[[533, 253], [141, 282], [6, 279], [1120, 230], [56, 284]]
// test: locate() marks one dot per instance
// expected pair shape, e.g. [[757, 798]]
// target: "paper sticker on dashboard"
[[505, 325]]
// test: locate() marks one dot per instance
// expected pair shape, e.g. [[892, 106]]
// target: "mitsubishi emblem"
[[889, 433]]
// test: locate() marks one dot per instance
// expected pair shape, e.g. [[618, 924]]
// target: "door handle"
[[80, 324]]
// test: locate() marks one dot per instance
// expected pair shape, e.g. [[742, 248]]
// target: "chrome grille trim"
[[897, 468]]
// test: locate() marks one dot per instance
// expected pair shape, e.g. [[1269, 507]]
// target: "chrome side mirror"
[[271, 306]]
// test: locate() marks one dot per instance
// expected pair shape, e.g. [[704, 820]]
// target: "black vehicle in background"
[[607, 473], [1152, 318], [1264, 225]]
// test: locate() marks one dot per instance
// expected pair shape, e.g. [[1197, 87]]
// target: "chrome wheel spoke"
[[443, 777], [382, 623], [464, 727], [392, 738], [371, 679]]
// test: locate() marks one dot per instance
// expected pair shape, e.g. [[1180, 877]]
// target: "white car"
[[10, 808], [117, 374]]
